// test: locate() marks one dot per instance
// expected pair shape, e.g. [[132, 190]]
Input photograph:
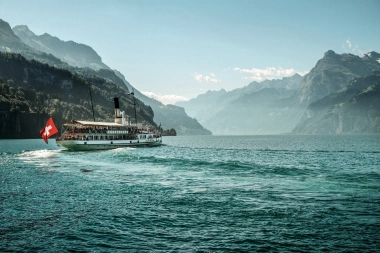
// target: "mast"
[[134, 104], [92, 105]]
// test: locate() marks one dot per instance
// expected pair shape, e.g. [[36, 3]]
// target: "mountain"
[[10, 43], [278, 106], [374, 56], [287, 83], [75, 54], [332, 73], [82, 59], [268, 107], [258, 108], [30, 91], [353, 109], [204, 103]]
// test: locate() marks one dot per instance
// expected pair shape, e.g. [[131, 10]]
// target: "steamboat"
[[79, 135]]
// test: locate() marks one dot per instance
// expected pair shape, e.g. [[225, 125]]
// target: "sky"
[[174, 50]]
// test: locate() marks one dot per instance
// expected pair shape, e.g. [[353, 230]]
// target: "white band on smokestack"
[[117, 111]]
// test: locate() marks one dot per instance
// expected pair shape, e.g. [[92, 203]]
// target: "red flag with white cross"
[[49, 130]]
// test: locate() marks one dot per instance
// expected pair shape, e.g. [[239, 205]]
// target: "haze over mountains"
[[332, 92], [82, 59], [339, 95]]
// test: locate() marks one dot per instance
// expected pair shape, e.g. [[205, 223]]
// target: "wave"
[[316, 151], [226, 166]]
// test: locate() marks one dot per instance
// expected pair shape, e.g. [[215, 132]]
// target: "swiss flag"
[[49, 130]]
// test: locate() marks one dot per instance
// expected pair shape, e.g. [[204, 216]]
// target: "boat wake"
[[38, 154]]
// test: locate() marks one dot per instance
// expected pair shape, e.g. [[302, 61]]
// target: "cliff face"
[[354, 109], [17, 124], [333, 72]]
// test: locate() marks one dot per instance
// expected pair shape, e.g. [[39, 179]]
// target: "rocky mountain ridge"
[[75, 54], [353, 109], [271, 107], [333, 72], [11, 43]]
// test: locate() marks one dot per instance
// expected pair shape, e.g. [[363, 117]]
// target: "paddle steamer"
[[78, 135]]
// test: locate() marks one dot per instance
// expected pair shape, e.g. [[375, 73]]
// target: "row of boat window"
[[97, 131], [101, 137], [94, 130]]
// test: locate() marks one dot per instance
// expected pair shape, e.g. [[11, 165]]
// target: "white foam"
[[36, 154]]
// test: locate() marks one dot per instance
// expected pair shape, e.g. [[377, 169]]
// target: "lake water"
[[194, 194]]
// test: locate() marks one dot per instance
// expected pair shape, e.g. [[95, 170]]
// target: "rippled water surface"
[[194, 194]]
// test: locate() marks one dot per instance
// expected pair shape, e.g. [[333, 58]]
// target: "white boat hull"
[[87, 145]]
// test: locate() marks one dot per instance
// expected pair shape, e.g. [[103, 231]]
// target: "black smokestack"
[[116, 101], [117, 107]]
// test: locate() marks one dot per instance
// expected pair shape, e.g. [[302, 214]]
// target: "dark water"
[[195, 194]]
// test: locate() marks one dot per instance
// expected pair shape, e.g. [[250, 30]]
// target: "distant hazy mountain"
[[287, 83], [353, 109], [278, 106], [254, 109], [75, 54], [207, 103], [256, 112]]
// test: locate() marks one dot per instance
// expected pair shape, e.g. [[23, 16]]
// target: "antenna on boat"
[[92, 105]]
